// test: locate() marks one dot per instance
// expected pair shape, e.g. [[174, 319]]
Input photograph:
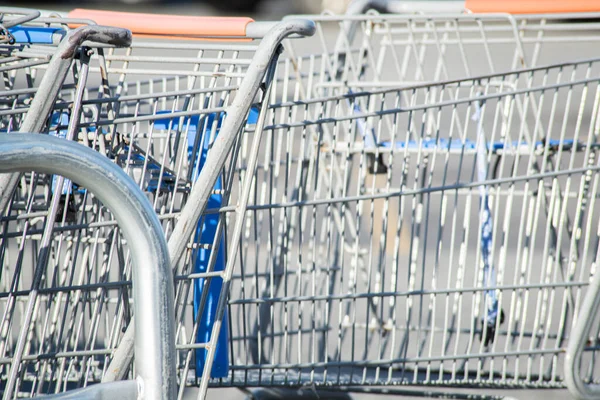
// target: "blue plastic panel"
[[34, 35]]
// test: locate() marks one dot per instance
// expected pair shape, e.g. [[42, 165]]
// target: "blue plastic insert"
[[34, 35], [205, 233]]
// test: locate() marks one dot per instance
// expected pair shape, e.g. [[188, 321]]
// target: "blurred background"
[[260, 9]]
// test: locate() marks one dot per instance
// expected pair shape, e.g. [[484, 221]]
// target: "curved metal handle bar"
[[27, 15], [302, 28], [198, 198], [59, 67], [578, 341], [236, 116], [152, 277], [51, 83]]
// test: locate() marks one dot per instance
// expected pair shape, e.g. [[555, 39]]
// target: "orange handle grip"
[[167, 25], [532, 6]]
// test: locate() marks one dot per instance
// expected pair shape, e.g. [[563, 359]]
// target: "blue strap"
[[486, 227]]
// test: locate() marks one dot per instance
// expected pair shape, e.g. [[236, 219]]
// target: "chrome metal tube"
[[152, 277]]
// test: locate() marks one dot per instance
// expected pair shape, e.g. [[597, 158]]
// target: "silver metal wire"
[[154, 127], [350, 277], [348, 207]]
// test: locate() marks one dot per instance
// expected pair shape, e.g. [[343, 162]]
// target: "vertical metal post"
[[235, 237]]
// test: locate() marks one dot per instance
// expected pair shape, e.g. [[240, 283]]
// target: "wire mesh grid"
[[159, 128], [360, 260], [22, 68], [364, 259], [376, 50]]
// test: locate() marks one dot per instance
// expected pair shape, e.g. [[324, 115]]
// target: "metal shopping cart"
[[424, 211], [30, 286], [389, 279], [29, 43], [169, 121], [380, 220], [153, 289]]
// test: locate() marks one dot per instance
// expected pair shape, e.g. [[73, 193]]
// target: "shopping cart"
[[170, 122], [29, 42], [379, 229], [153, 289], [26, 112], [424, 211], [464, 264], [27, 293], [437, 40]]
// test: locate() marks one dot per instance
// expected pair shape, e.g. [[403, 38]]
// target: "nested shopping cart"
[[37, 293], [29, 42], [168, 113], [110, 188], [408, 200], [424, 209], [436, 40]]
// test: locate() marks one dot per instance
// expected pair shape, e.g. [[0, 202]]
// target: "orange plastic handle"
[[532, 6], [167, 25]]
